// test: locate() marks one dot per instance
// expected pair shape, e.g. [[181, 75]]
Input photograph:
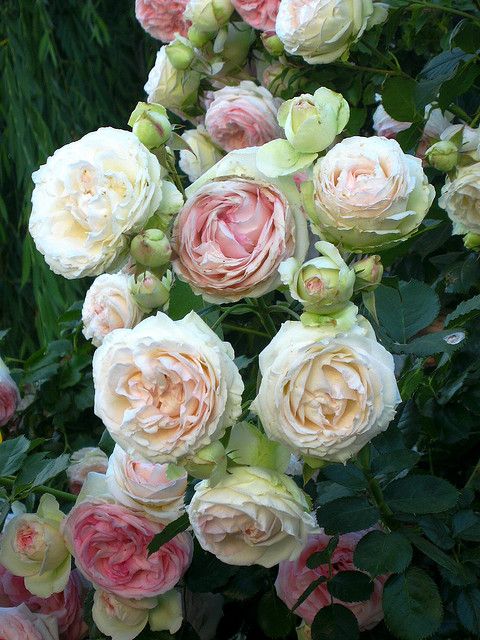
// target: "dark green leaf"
[[170, 531], [12, 455], [465, 311], [328, 491], [412, 605], [398, 98], [466, 526], [347, 475], [433, 552], [322, 557], [308, 591], [347, 514], [350, 586], [420, 495], [183, 300], [335, 622], [380, 553], [274, 617], [468, 610]]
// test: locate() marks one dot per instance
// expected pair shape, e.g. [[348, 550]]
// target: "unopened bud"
[[443, 155], [472, 241], [150, 292], [151, 248], [180, 52], [150, 124], [368, 273], [272, 43], [205, 461], [199, 38]]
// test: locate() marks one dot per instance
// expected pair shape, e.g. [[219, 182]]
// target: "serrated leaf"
[[380, 553], [39, 469], [433, 552], [12, 455], [347, 475], [465, 311], [274, 617], [347, 514], [350, 586], [466, 526], [335, 622], [412, 605], [170, 531], [467, 607], [432, 343], [420, 494]]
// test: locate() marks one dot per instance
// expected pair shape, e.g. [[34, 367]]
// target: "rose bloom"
[[203, 156], [88, 197], [166, 388], [461, 199], [162, 19], [19, 623], [235, 229], [369, 194], [110, 546], [121, 618], [109, 305], [9, 395], [259, 14], [156, 489], [294, 577], [82, 462], [321, 31], [251, 516], [243, 116], [66, 606], [326, 394]]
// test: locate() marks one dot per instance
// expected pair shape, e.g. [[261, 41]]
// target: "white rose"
[[461, 199], [326, 394], [109, 305], [205, 153], [82, 462], [369, 194], [121, 618], [322, 30], [385, 125], [170, 87], [156, 489], [88, 197], [166, 388], [436, 122], [252, 516]]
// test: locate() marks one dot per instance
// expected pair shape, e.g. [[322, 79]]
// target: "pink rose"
[[20, 623], [82, 462], [294, 577], [243, 116], [162, 19], [9, 395], [259, 14], [386, 126], [66, 606], [109, 543]]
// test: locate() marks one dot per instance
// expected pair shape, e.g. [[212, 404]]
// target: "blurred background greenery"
[[66, 68]]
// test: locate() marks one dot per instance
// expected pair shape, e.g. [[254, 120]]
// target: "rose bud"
[[368, 272], [311, 123], [119, 617], [472, 241], [272, 43], [180, 52], [323, 284], [150, 124], [443, 155], [9, 395], [208, 16], [150, 292], [151, 248]]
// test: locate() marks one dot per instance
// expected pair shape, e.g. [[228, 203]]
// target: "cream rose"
[[369, 194], [203, 155], [166, 389], [82, 462], [243, 116], [121, 618], [461, 199], [170, 87], [109, 305], [252, 516], [322, 30], [88, 197], [156, 489], [326, 394], [235, 229]]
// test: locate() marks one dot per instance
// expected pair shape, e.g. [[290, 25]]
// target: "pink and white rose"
[[82, 462], [19, 623], [294, 578], [235, 229], [259, 14], [9, 395], [156, 489], [162, 19], [110, 546], [243, 116]]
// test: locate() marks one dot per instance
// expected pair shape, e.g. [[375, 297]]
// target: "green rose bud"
[[208, 16], [150, 292], [311, 123], [323, 285], [151, 248], [368, 272], [272, 43], [199, 38], [342, 320], [249, 446], [209, 459], [150, 124], [472, 241], [181, 53], [443, 155]]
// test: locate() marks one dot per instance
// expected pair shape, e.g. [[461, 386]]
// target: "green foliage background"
[[67, 67]]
